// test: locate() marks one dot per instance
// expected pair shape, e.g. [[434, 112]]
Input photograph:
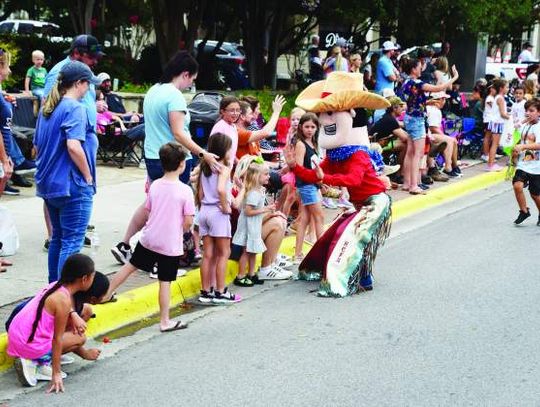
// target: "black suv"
[[228, 66]]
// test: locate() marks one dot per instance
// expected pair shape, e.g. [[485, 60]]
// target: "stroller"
[[470, 139], [204, 111]]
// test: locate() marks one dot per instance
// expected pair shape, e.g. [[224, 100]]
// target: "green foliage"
[[266, 97], [21, 48], [134, 87]]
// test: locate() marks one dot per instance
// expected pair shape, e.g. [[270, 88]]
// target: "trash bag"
[[9, 238]]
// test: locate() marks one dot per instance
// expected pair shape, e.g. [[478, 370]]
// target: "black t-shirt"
[[115, 103], [428, 74], [384, 127]]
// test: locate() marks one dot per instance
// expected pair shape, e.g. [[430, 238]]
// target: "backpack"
[[15, 311]]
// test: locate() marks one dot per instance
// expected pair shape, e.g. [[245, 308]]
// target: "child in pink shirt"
[[229, 108], [171, 207]]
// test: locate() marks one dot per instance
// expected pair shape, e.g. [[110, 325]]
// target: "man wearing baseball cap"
[[386, 72], [86, 49]]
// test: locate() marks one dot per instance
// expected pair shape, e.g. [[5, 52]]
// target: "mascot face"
[[336, 130]]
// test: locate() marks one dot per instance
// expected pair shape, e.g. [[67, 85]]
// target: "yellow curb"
[[414, 204], [139, 303], [142, 302]]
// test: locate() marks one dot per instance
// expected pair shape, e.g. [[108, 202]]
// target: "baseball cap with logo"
[[388, 46], [76, 71], [88, 44]]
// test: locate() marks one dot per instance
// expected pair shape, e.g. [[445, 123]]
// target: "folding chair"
[[118, 148]]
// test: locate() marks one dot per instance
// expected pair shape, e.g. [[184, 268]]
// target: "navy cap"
[[86, 43], [75, 71]]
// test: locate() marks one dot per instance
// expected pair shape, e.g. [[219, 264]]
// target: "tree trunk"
[[169, 26], [254, 28], [80, 12], [273, 47]]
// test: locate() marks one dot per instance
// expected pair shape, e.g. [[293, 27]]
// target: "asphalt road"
[[453, 321]]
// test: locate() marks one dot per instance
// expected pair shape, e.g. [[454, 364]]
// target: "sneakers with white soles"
[[275, 273], [44, 372], [26, 372]]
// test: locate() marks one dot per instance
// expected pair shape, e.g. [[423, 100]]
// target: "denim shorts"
[[309, 194], [415, 127]]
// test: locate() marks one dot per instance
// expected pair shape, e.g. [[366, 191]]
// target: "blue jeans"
[[415, 126], [13, 150], [155, 170], [69, 218]]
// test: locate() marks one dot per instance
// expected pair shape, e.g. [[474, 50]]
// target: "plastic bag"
[[8, 233], [507, 136]]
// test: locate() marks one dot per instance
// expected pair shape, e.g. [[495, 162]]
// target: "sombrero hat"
[[340, 91]]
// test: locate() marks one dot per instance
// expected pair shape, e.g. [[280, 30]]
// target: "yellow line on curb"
[[139, 303]]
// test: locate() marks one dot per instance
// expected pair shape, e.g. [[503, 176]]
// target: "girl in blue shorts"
[[310, 211]]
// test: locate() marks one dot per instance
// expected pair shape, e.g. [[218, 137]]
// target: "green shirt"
[[37, 77]]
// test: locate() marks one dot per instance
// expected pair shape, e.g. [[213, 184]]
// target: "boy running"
[[527, 153]]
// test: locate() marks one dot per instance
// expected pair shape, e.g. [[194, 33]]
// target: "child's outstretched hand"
[[278, 103], [289, 155]]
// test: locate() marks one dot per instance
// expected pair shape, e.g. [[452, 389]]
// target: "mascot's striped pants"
[[345, 253]]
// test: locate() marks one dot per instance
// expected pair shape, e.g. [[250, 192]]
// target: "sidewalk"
[[119, 193]]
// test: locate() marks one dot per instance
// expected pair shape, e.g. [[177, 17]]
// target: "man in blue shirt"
[[386, 71], [86, 49]]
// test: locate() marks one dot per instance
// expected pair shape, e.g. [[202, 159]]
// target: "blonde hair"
[[5, 58], [297, 111], [37, 53], [56, 94], [339, 58], [441, 64], [529, 86], [251, 177]]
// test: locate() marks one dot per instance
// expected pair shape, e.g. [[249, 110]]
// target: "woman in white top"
[[442, 71]]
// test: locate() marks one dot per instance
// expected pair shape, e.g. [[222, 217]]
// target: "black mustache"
[[330, 130]]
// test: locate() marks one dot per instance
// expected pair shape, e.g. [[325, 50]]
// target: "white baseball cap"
[[388, 46], [104, 76]]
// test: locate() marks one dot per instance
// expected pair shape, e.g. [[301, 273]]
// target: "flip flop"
[[5, 263], [177, 326], [111, 299], [3, 269], [417, 192]]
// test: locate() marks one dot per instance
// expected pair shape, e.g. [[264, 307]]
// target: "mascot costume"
[[345, 253]]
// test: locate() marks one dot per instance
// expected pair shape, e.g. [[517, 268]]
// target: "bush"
[[117, 62], [21, 48], [266, 97]]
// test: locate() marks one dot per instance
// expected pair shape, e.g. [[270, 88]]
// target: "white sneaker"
[[391, 169], [44, 372], [26, 372], [284, 264], [66, 360], [275, 273], [484, 158], [282, 257], [181, 273], [153, 274]]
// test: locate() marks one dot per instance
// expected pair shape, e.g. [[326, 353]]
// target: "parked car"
[[33, 27], [230, 65], [508, 70]]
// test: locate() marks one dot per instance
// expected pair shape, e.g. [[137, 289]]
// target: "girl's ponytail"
[[52, 100], [76, 266]]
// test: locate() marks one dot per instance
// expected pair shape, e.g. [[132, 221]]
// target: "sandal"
[[418, 191], [178, 325], [111, 299]]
